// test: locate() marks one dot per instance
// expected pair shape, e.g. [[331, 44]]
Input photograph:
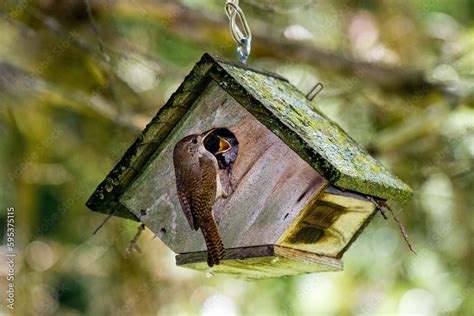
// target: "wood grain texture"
[[272, 183], [328, 226], [262, 262]]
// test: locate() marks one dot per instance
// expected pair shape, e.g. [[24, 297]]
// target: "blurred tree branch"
[[17, 85], [193, 22]]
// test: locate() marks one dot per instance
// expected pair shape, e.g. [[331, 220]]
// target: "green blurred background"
[[398, 77]]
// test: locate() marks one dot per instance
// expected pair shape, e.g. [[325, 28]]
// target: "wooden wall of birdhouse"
[[271, 183]]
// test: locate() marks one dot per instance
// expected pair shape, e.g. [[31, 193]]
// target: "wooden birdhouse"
[[301, 187]]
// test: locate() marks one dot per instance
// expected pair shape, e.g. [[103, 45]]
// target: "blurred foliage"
[[73, 99]]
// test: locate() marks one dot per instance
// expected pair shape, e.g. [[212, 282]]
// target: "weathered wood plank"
[[232, 253], [272, 183], [262, 262], [307, 257]]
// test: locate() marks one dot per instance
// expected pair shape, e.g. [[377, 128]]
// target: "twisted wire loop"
[[242, 36]]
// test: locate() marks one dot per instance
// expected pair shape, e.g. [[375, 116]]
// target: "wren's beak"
[[224, 145], [207, 134]]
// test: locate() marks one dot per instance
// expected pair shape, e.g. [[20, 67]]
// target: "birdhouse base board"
[[261, 262]]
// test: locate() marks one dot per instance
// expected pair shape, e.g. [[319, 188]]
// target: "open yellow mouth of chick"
[[224, 145]]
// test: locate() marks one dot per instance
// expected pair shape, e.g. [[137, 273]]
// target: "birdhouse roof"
[[283, 109], [317, 139]]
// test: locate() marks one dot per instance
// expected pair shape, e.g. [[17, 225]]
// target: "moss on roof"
[[316, 138]]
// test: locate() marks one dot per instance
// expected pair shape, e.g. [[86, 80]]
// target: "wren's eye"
[[194, 141]]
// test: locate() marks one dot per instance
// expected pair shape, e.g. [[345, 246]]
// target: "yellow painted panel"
[[328, 226]]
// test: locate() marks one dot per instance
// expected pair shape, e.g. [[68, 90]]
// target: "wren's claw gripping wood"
[[198, 183]]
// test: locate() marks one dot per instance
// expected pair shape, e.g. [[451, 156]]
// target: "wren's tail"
[[215, 246]]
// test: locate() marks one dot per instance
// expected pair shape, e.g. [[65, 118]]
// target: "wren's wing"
[[208, 164], [184, 195]]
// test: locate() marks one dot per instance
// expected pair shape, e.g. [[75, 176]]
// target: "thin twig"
[[382, 212], [133, 243], [400, 225], [104, 221]]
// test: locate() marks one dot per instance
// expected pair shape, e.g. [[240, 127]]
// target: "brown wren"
[[198, 185]]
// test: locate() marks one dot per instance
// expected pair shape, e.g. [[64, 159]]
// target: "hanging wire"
[[242, 36]]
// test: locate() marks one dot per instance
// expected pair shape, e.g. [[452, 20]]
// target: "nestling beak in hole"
[[224, 146], [220, 144]]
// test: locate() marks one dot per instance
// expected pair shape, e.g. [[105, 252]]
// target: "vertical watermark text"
[[10, 258]]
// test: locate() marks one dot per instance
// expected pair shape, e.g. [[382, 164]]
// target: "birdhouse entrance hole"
[[213, 143]]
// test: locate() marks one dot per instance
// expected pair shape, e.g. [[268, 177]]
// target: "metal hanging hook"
[[243, 50], [242, 37]]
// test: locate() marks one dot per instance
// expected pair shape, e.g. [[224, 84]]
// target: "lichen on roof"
[[321, 142]]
